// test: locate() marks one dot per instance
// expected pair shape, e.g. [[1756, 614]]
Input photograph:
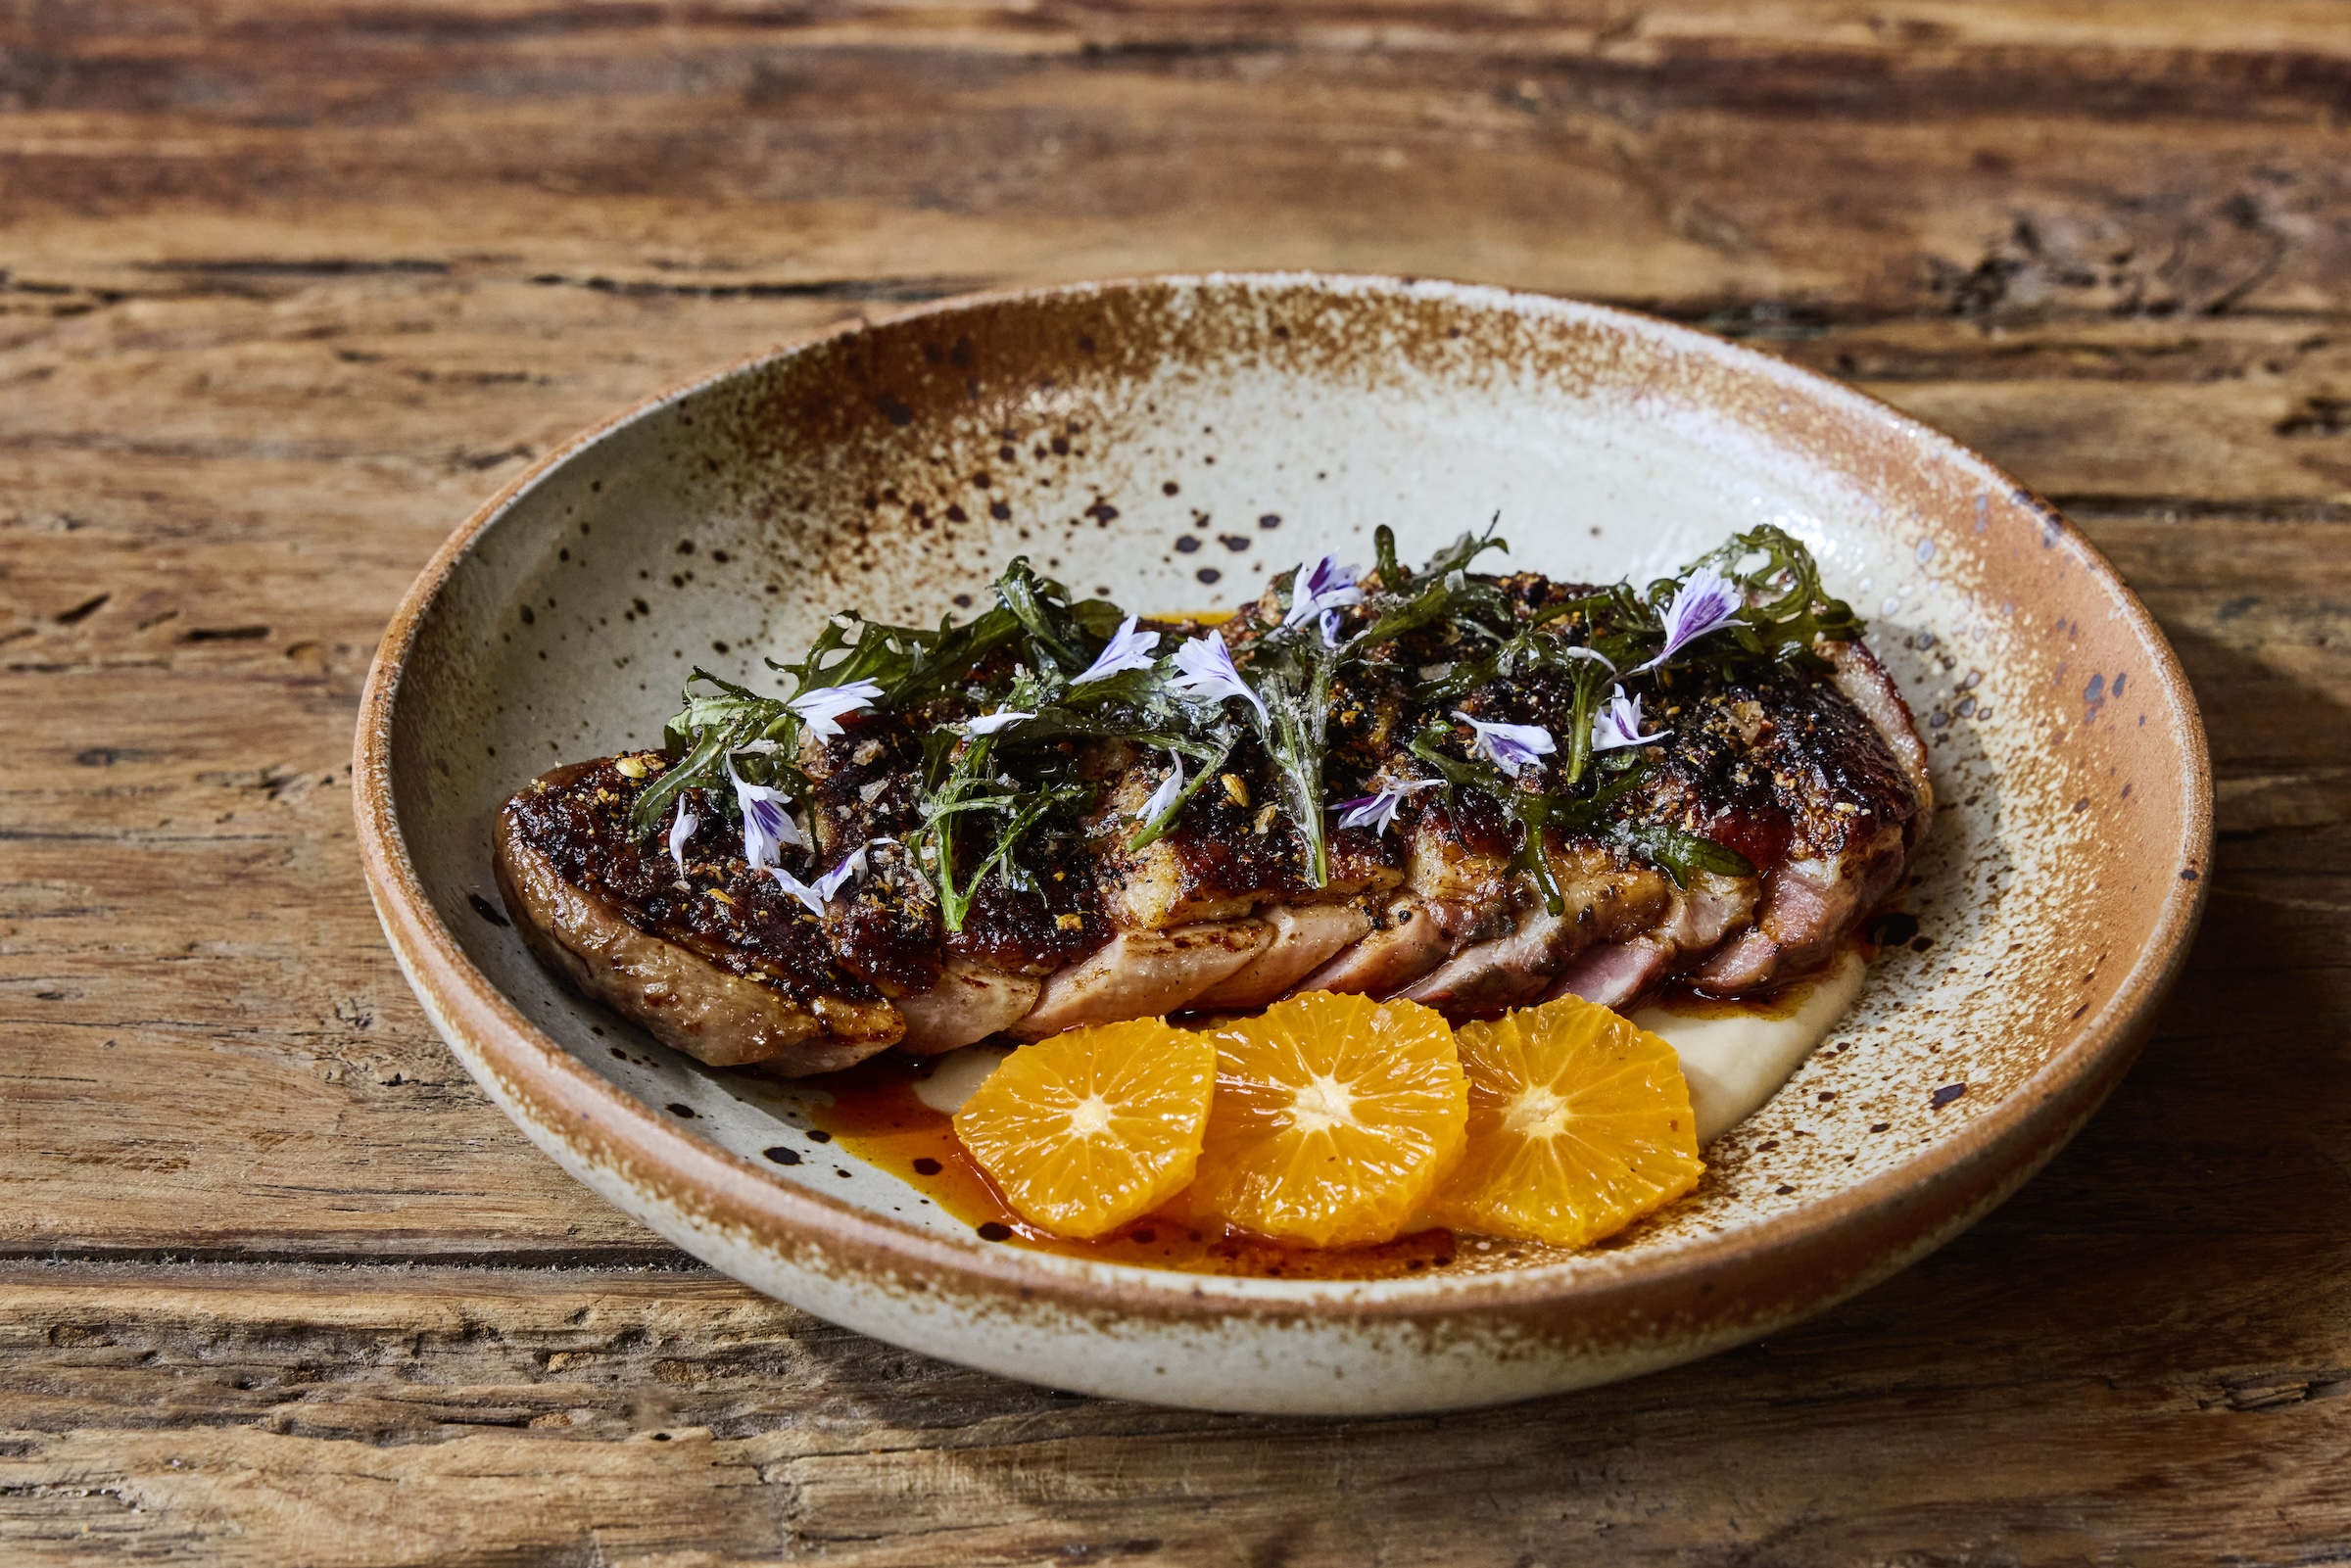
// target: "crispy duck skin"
[[1818, 779], [721, 967]]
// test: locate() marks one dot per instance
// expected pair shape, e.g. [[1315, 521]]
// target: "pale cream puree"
[[1736, 1056]]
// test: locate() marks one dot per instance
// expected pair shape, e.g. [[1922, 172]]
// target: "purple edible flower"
[[1378, 811], [1512, 747], [1708, 601], [1208, 674], [820, 707], [1618, 723], [1162, 799], [1127, 650], [1324, 585], [679, 831], [852, 867], [797, 888], [767, 823], [990, 723]]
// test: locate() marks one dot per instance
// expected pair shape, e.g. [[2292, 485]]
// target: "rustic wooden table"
[[287, 291]]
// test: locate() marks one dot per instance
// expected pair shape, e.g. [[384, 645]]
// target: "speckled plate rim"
[[1882, 1223]]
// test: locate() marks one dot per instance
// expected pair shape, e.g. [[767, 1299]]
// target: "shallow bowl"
[[1168, 441]]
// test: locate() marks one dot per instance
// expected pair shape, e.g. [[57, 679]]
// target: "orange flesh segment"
[[1579, 1124], [1334, 1119], [1087, 1130]]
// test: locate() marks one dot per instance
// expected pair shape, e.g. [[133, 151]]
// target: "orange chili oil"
[[876, 1117]]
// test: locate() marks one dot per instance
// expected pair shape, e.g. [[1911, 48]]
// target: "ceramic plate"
[[1168, 441]]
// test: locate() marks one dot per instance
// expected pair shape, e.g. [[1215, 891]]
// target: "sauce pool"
[[876, 1117]]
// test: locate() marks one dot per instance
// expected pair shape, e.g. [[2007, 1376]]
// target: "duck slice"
[[1405, 942], [719, 965], [1304, 938], [971, 1002], [1140, 975]]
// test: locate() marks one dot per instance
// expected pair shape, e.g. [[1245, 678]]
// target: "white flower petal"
[[1377, 812], [1162, 799], [1208, 674], [1323, 585], [851, 868], [1706, 601], [1129, 648], [799, 889], [1617, 724], [821, 707], [990, 723], [767, 820], [1512, 747]]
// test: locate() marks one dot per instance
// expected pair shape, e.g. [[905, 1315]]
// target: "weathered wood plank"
[[250, 1415], [1923, 158]]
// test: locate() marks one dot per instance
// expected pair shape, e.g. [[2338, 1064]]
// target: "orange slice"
[[1579, 1124], [1335, 1117], [1087, 1130]]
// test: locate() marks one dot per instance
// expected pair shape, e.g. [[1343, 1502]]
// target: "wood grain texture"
[[286, 288]]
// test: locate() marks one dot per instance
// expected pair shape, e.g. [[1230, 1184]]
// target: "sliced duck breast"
[[1603, 898], [971, 1002], [1140, 975], [1696, 919], [1304, 938], [1406, 941]]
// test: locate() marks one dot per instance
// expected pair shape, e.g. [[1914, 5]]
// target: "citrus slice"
[[1579, 1124], [1335, 1117], [1089, 1129]]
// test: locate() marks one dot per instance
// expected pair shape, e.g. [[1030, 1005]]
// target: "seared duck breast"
[[1473, 792]]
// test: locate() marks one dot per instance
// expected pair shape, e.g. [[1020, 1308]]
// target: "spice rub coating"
[[718, 963]]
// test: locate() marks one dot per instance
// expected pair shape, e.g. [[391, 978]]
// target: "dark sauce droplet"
[[1209, 574], [676, 1109], [783, 1155], [1893, 929], [487, 910], [996, 1231], [819, 1135], [925, 1167]]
